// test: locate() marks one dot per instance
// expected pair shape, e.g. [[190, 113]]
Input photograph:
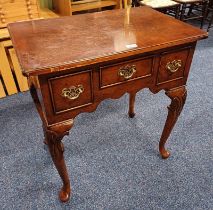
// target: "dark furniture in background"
[[193, 10], [184, 10], [67, 76], [210, 15], [165, 6]]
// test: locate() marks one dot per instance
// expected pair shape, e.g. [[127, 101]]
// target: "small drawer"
[[71, 91], [172, 66], [125, 71]]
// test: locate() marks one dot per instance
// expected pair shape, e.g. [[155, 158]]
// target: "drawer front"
[[125, 71], [172, 66], [71, 91]]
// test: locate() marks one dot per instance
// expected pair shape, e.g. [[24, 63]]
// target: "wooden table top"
[[43, 46]]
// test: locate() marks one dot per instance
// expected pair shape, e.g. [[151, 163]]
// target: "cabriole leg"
[[178, 97], [54, 136]]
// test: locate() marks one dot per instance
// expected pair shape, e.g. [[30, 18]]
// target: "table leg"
[[53, 136], [131, 104], [44, 130], [178, 97], [37, 103]]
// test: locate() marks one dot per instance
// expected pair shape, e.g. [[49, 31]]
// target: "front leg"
[[178, 97], [53, 135]]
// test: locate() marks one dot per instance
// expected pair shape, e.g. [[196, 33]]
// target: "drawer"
[[125, 71], [71, 91], [172, 66]]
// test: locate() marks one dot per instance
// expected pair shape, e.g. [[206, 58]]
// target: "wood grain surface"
[[73, 41]]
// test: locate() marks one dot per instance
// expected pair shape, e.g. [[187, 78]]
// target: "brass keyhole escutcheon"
[[127, 71]]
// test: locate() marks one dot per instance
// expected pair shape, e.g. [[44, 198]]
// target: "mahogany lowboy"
[[72, 66]]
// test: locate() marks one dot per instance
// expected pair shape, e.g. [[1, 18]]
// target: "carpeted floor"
[[112, 160]]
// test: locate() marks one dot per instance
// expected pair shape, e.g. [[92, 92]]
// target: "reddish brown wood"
[[178, 97], [35, 97], [109, 78], [164, 75], [54, 134], [98, 92], [132, 105], [68, 76], [57, 84], [103, 40]]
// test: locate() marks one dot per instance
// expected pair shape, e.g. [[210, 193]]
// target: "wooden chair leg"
[[210, 22], [177, 12], [182, 13], [204, 13], [190, 10]]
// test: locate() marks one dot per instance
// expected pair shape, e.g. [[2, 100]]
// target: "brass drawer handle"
[[127, 71], [73, 92], [173, 66]]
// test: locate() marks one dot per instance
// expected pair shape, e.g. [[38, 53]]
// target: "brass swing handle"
[[73, 92], [174, 66], [127, 71]]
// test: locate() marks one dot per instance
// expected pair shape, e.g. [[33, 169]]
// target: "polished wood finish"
[[122, 34], [132, 50], [131, 105], [57, 84], [17, 10], [54, 134], [165, 76], [89, 5], [68, 7], [178, 97], [11, 79], [143, 68]]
